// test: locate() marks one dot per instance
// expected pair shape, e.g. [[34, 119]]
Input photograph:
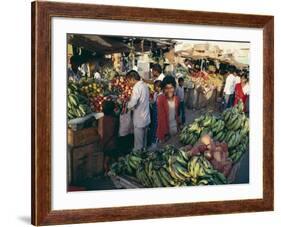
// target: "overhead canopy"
[[98, 44], [201, 50], [118, 44], [206, 51]]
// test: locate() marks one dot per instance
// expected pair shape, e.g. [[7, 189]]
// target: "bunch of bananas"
[[237, 135], [206, 124], [168, 167], [77, 104], [203, 173], [232, 127], [237, 152]]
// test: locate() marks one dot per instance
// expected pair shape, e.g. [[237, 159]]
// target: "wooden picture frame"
[[42, 12]]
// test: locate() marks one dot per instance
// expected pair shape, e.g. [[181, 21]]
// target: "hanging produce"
[[207, 81]]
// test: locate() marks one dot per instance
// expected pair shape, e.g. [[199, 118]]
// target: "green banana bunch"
[[237, 152], [218, 126], [188, 138], [194, 127], [168, 167], [77, 104]]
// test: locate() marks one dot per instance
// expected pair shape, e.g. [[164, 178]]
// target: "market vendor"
[[73, 72], [189, 66], [139, 103], [91, 68], [157, 74]]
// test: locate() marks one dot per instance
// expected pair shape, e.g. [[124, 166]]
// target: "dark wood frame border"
[[42, 12]]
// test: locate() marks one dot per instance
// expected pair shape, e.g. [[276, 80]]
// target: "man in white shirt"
[[139, 103], [85, 69], [97, 76], [229, 88]]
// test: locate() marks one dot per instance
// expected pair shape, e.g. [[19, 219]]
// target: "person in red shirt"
[[167, 110], [242, 90]]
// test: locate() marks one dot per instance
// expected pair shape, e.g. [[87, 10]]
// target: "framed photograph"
[[142, 113]]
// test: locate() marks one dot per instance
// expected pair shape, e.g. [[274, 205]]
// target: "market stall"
[[193, 158], [206, 72]]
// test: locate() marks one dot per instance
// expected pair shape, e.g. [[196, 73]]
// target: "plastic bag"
[[126, 124]]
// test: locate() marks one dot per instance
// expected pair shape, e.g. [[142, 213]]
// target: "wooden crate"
[[82, 136], [85, 162], [97, 163]]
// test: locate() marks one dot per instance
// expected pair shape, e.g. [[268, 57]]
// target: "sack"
[[126, 124]]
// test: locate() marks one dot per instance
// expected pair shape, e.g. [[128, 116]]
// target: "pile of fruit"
[[200, 74], [168, 167], [120, 86], [97, 102], [94, 88], [95, 91], [77, 103], [207, 81], [232, 127], [216, 80]]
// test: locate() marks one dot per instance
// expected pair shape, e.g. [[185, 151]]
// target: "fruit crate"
[[82, 137], [89, 120], [84, 162]]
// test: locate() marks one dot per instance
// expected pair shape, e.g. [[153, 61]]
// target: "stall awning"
[[98, 44]]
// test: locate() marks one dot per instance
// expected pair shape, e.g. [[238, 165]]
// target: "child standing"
[[157, 90], [167, 110], [108, 132], [180, 94]]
